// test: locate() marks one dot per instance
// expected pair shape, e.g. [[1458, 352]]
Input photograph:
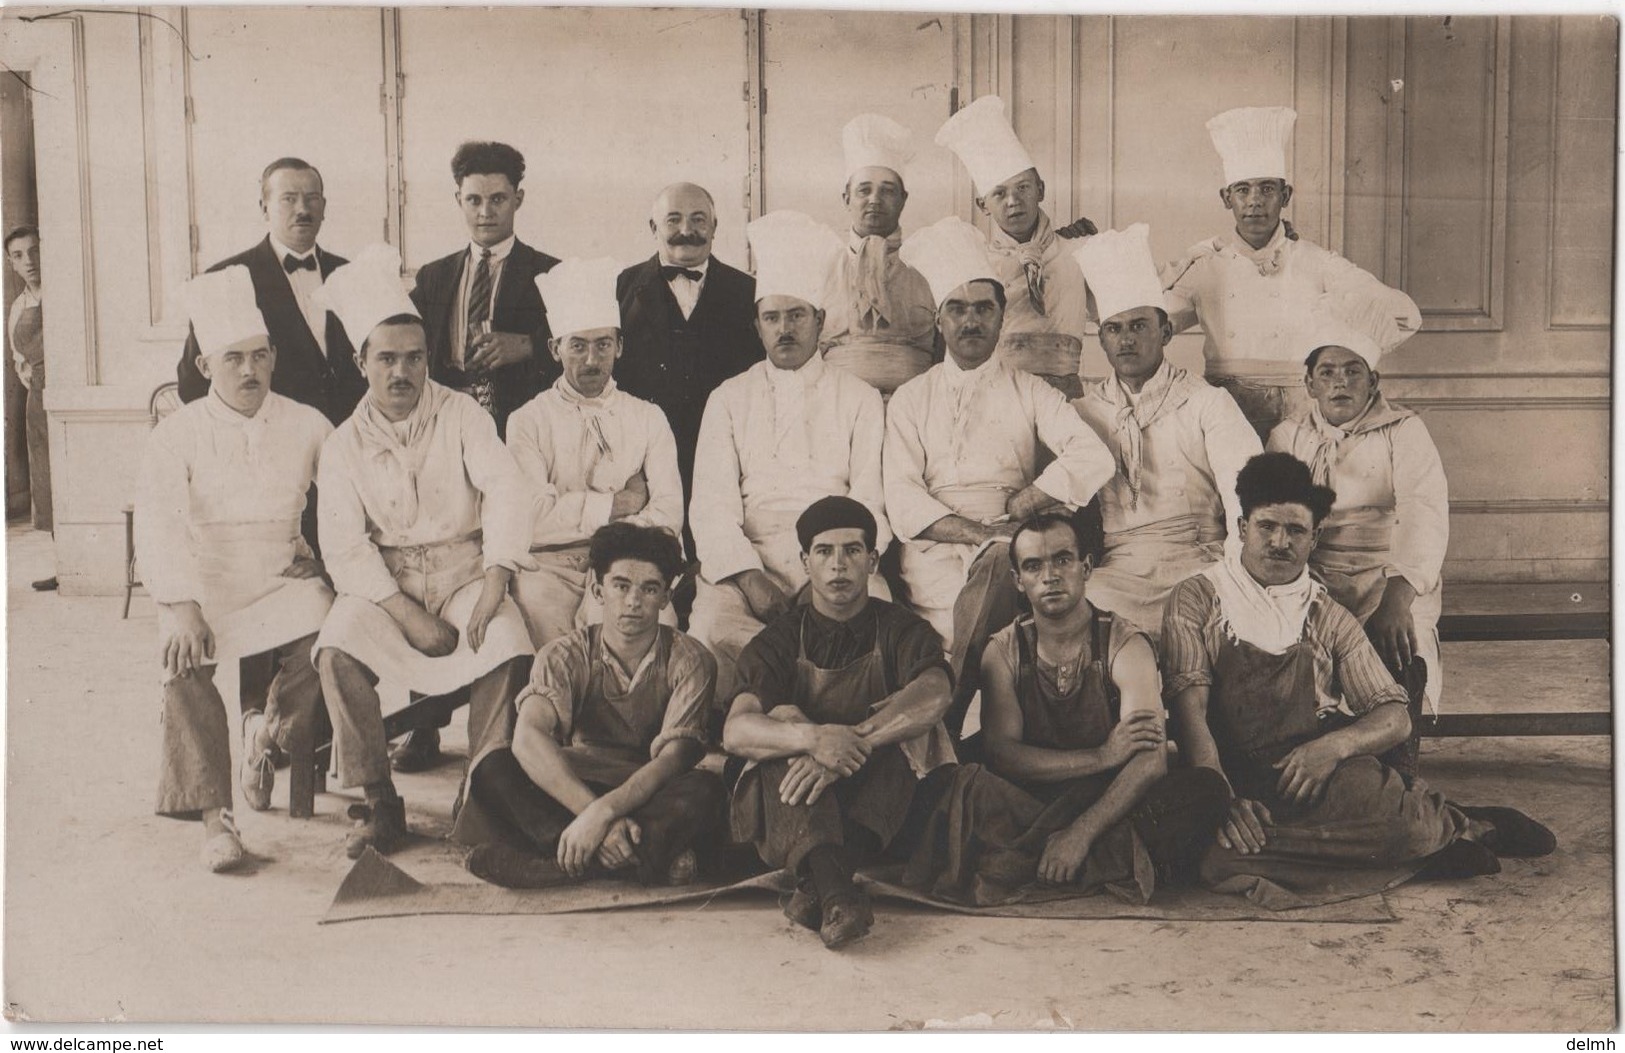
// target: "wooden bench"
[[1561, 611]]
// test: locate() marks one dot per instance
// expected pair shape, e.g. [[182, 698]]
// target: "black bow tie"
[[291, 263], [690, 273]]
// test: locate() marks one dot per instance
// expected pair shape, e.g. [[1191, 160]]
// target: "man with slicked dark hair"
[[484, 318]]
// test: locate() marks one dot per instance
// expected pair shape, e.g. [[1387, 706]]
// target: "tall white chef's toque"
[[794, 256], [949, 253], [366, 291], [872, 141], [1252, 142], [222, 309], [981, 137], [580, 295], [1120, 270]]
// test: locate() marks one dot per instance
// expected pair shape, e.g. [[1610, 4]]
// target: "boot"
[[1459, 859], [419, 752], [846, 919], [1513, 834], [258, 776], [510, 868], [380, 825]]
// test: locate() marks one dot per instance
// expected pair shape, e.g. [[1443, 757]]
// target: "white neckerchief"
[[790, 388], [1270, 617], [595, 443], [1268, 259], [1135, 412]]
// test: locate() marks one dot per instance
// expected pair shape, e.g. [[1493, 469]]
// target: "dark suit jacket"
[[675, 362], [330, 383], [518, 309]]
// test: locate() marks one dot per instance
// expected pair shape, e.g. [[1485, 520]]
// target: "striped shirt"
[[1347, 667]]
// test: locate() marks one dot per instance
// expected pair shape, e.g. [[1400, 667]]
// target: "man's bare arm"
[[752, 734], [910, 711], [961, 531]]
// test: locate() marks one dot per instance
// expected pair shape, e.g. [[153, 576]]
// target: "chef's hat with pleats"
[[222, 308], [366, 291], [1251, 141]]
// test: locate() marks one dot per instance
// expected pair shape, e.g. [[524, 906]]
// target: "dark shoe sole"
[[511, 868], [803, 909], [419, 753], [1515, 835]]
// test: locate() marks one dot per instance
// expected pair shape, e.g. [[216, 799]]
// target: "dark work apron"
[[827, 696], [1261, 707]]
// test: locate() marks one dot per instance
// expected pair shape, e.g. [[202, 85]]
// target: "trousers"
[[195, 768]]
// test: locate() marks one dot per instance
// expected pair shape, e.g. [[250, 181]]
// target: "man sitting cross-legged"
[[839, 705], [600, 776], [1077, 788], [1256, 657]]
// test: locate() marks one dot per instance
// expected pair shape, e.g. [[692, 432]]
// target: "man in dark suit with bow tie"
[[687, 322], [315, 363], [484, 318]]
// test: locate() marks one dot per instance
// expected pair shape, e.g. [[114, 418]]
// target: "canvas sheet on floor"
[[377, 888]]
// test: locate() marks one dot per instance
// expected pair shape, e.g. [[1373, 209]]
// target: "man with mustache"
[[1382, 547], [776, 438], [1252, 289], [1178, 441], [25, 330], [880, 323], [314, 362], [1046, 307], [839, 712], [1260, 669], [424, 520], [223, 483], [686, 323], [962, 457], [594, 455], [600, 777], [486, 324]]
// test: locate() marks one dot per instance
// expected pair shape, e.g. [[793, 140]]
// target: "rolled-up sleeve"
[[691, 678], [1356, 666], [1186, 661], [909, 504], [348, 551], [560, 675], [1422, 507]]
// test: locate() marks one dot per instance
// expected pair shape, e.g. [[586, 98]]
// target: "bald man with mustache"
[[687, 320]]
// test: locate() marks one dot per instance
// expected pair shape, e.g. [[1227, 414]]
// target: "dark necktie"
[[291, 263], [670, 272], [479, 315], [479, 294]]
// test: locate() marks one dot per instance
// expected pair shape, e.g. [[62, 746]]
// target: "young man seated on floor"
[[223, 484], [600, 777], [1077, 789], [1257, 657], [839, 707]]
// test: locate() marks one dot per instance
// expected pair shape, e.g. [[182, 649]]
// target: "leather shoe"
[[510, 868], [224, 850], [45, 584], [420, 751], [803, 909], [1514, 835], [845, 920], [380, 826], [1459, 859]]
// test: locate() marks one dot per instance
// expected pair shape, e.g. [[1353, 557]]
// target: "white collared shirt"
[[305, 283], [687, 290], [499, 256]]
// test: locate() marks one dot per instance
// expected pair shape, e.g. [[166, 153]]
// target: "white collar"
[[499, 251], [282, 252], [957, 376], [223, 411], [810, 373]]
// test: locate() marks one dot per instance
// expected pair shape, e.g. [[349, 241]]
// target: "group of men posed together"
[[873, 486]]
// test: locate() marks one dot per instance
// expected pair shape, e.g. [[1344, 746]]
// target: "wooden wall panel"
[[1451, 204], [1580, 276]]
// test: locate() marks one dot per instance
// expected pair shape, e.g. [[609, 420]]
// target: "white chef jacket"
[[578, 452], [771, 443]]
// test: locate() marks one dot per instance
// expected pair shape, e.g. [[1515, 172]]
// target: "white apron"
[[248, 604], [447, 579]]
